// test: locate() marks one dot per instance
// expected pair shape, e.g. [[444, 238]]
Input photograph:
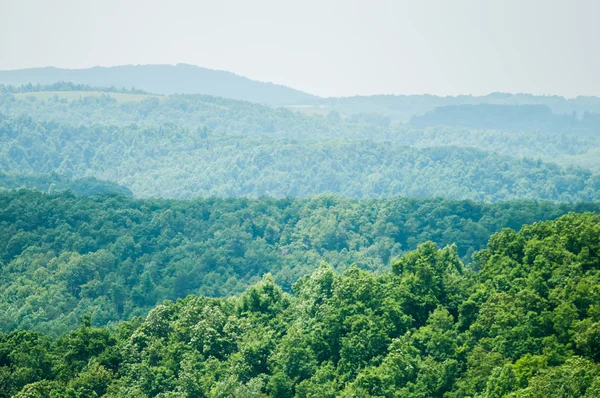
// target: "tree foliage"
[[173, 161], [115, 257], [521, 322]]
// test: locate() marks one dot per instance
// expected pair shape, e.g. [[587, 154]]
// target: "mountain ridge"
[[279, 94], [163, 79]]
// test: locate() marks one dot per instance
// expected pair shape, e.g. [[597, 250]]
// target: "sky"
[[327, 48]]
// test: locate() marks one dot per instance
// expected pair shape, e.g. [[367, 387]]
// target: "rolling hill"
[[163, 79], [174, 162], [190, 79]]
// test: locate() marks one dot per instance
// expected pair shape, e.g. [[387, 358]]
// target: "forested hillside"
[[30, 89], [522, 321], [53, 182], [311, 200], [62, 256], [64, 103], [561, 148], [226, 115], [218, 114], [310, 227], [179, 162], [510, 118]]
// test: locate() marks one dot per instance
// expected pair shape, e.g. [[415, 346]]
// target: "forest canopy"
[[53, 182], [522, 321], [181, 162], [198, 246], [62, 256]]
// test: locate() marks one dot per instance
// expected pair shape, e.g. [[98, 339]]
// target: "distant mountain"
[[164, 79], [190, 79], [379, 110], [403, 107]]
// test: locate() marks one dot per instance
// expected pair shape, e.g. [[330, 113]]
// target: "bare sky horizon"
[[327, 48]]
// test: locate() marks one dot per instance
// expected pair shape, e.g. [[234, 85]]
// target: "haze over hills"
[[403, 107], [163, 79], [189, 146], [393, 199], [509, 118], [191, 79]]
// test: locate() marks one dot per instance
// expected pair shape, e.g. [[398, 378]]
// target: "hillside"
[[509, 118], [563, 148], [190, 79], [175, 162], [299, 199], [79, 95], [116, 257], [193, 111], [525, 325], [223, 116], [163, 79], [403, 107], [53, 182]]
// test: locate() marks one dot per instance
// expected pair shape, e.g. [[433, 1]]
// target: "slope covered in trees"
[[562, 148], [63, 86], [62, 256], [523, 321], [172, 161], [53, 183], [510, 118], [218, 114], [226, 115], [222, 116]]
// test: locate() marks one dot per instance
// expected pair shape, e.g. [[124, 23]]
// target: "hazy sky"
[[329, 48]]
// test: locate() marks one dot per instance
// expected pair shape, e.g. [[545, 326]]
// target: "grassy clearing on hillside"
[[76, 95]]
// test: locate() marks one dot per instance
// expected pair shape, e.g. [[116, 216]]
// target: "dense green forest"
[[136, 231], [180, 162], [523, 320], [62, 256], [393, 199]]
